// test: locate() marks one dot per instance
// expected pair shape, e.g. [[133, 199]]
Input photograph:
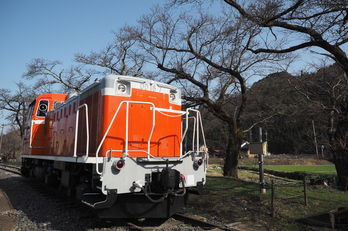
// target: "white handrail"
[[126, 143], [186, 128], [31, 132], [76, 129], [197, 124], [129, 151], [125, 154], [202, 130]]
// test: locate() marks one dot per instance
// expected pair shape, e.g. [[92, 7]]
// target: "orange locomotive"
[[117, 146]]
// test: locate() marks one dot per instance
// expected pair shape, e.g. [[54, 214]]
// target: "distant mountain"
[[290, 114]]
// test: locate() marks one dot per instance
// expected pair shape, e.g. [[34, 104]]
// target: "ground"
[[7, 220]]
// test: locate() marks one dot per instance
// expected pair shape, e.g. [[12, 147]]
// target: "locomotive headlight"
[[172, 96], [118, 164], [198, 162], [122, 88], [43, 107]]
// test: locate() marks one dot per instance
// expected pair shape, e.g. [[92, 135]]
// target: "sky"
[[58, 29]]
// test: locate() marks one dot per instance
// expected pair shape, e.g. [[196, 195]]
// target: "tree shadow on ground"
[[46, 208]]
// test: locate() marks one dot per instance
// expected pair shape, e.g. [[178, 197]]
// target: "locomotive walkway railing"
[[197, 125]]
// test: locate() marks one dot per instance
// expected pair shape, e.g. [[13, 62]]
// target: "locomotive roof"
[[109, 82]]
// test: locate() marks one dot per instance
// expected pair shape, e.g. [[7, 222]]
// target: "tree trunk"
[[339, 148], [235, 137], [341, 163]]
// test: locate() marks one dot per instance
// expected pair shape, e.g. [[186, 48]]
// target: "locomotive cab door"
[[34, 137], [27, 129]]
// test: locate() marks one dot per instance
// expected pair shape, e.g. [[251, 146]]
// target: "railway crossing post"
[[259, 148], [262, 181]]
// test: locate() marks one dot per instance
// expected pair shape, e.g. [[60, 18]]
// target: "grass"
[[268, 161], [232, 199], [297, 172], [15, 163], [327, 169]]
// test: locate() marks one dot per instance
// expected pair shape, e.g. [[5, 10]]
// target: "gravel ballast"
[[31, 206]]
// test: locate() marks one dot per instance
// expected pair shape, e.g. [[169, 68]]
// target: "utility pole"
[[315, 140]]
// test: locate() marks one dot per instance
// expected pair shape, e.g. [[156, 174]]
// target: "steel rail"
[[9, 168], [200, 223]]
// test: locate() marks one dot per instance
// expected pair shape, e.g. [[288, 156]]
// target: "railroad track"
[[200, 223], [11, 168], [177, 220]]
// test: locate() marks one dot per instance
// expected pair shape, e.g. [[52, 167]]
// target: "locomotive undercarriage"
[[162, 194], [64, 175]]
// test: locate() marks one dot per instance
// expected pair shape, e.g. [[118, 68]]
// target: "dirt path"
[[7, 220]]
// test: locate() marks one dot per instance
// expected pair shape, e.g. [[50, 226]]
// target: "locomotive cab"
[[35, 142]]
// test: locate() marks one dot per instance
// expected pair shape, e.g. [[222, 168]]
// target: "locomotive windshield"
[[43, 108]]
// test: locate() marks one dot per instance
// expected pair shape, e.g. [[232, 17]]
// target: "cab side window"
[[42, 108], [56, 104], [31, 110]]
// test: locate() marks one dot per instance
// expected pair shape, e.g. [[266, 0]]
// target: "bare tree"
[[119, 57], [328, 92], [207, 56], [47, 74], [11, 144], [321, 27], [16, 104], [289, 26], [317, 23]]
